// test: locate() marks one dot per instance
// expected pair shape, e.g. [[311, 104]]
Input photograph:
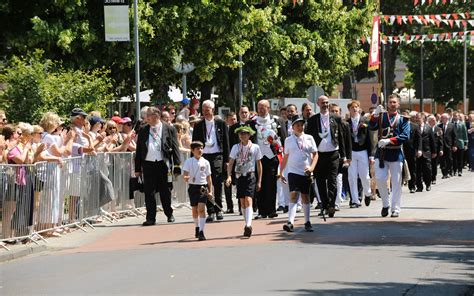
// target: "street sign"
[[116, 20], [313, 93], [374, 98]]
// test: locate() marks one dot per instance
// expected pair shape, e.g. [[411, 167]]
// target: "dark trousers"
[[434, 168], [447, 161], [326, 174], [411, 161], [458, 161], [266, 198], [217, 166], [155, 179], [423, 172], [228, 196]]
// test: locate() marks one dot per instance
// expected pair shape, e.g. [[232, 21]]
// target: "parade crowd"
[[276, 164]]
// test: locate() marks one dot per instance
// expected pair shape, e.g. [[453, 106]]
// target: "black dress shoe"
[[444, 177], [428, 188], [385, 212], [308, 227], [229, 211], [419, 190], [367, 200], [273, 215], [285, 210], [171, 219], [318, 206], [148, 223], [240, 213], [201, 236], [196, 232], [433, 182], [331, 212], [280, 209], [211, 218], [288, 227], [260, 217], [219, 216], [459, 174], [354, 206], [248, 231]]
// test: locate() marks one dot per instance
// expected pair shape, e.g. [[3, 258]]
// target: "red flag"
[[437, 23], [455, 16], [374, 54], [467, 15], [399, 19], [464, 23], [410, 19], [387, 18], [415, 2], [451, 23], [417, 37]]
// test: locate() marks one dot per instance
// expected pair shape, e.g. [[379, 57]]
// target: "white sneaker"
[[298, 209], [395, 214], [337, 208]]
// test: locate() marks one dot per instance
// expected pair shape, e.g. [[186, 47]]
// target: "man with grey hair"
[[81, 144], [438, 137], [214, 134], [157, 158], [449, 145], [412, 150], [271, 132]]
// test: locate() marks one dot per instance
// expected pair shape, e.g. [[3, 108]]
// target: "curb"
[[21, 252]]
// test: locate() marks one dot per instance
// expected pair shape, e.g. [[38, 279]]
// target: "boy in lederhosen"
[[301, 156], [197, 172], [247, 156]]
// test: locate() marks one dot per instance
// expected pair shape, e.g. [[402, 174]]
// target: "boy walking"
[[301, 156], [247, 156], [197, 172]]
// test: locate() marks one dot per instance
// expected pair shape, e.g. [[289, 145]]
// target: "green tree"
[[35, 86]]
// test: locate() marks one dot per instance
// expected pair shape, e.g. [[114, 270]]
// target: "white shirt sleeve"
[[234, 151], [312, 148], [258, 153], [187, 164], [208, 168]]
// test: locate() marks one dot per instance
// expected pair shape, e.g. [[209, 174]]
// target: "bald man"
[[271, 132]]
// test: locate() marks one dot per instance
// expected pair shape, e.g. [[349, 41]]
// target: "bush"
[[34, 85]]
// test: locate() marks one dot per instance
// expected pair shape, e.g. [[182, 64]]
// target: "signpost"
[[116, 20]]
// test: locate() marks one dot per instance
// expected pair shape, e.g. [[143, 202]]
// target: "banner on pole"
[[374, 54], [116, 20]]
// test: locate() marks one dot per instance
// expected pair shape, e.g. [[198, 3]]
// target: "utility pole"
[[137, 58]]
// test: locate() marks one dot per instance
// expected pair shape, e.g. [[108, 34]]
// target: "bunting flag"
[[436, 37], [437, 2], [374, 53], [461, 20]]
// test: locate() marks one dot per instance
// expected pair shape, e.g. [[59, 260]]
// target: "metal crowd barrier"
[[41, 197]]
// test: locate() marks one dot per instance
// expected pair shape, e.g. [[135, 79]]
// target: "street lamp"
[[183, 68]]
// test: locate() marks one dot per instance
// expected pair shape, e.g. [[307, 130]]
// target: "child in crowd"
[[247, 156], [301, 156], [197, 173]]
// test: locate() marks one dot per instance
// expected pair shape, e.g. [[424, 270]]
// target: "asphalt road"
[[429, 250]]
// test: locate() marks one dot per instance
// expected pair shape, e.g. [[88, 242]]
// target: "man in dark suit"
[[449, 146], [244, 116], [271, 132], [157, 157], [327, 132], [438, 152], [215, 136], [412, 149], [428, 151]]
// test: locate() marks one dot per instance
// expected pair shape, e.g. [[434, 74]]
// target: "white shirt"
[[198, 170], [355, 127], [299, 151], [51, 140], [245, 157], [154, 143], [265, 128], [211, 145], [326, 143], [79, 142]]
